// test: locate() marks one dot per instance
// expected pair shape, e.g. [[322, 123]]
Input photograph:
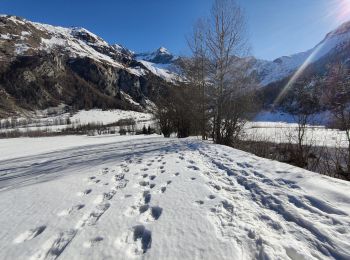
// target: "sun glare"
[[343, 10]]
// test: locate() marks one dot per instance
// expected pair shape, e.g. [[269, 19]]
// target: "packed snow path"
[[161, 198]]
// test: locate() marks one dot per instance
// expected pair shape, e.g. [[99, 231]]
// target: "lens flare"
[[299, 72], [339, 9], [344, 10]]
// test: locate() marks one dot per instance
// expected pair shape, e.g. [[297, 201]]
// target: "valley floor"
[[154, 198]]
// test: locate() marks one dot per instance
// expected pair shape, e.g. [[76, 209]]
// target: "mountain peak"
[[163, 50], [160, 56]]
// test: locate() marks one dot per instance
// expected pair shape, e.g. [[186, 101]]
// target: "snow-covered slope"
[[159, 198], [271, 71], [160, 62]]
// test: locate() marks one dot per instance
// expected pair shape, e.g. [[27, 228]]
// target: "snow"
[[6, 36], [160, 70], [42, 120], [281, 132], [109, 116], [155, 198], [21, 48]]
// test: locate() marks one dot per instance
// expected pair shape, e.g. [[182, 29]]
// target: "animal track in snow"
[[29, 234], [152, 185], [152, 177], [163, 189]]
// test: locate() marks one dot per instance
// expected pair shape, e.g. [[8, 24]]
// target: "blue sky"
[[275, 27]]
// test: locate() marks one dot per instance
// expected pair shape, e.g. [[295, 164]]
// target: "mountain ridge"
[[66, 65], [47, 65]]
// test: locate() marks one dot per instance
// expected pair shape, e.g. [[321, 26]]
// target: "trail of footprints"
[[139, 238], [54, 247]]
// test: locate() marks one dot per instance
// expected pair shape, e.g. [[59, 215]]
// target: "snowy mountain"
[[136, 197], [160, 56], [335, 42], [44, 65]]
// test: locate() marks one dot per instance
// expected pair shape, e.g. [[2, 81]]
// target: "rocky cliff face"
[[43, 66]]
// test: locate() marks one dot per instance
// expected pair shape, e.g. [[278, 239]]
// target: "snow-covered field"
[[82, 117], [279, 132], [109, 116], [155, 198]]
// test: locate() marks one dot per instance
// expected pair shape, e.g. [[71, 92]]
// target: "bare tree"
[[302, 102], [337, 91], [226, 41], [195, 72]]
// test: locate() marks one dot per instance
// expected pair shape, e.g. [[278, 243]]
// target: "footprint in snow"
[[143, 183], [211, 197], [147, 197], [156, 212], [85, 192], [143, 208], [70, 210], [145, 237], [29, 234], [192, 167], [92, 242]]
